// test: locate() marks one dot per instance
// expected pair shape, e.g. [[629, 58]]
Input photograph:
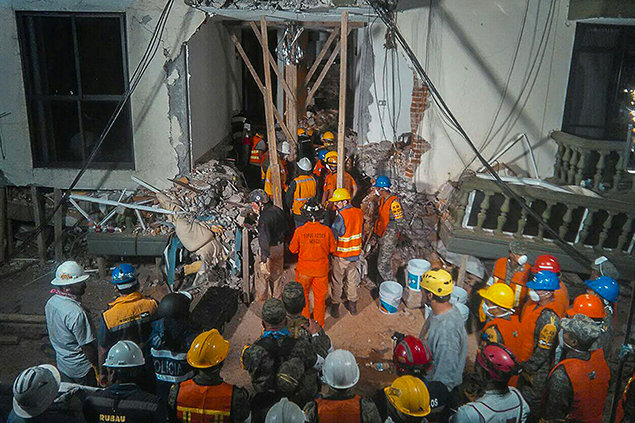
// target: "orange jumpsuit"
[[313, 242]]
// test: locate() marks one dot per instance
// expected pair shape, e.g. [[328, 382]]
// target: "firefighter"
[[123, 401], [341, 373], [538, 330], [301, 189], [551, 264], [577, 386], [514, 271], [207, 397], [495, 365], [497, 310], [272, 227], [313, 242], [347, 229], [387, 226], [328, 139], [330, 182], [407, 400]]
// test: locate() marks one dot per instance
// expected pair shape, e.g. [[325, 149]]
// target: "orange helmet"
[[589, 305]]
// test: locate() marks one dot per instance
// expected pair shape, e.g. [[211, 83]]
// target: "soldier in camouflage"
[[387, 226]]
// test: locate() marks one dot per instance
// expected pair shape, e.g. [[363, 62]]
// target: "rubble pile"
[[320, 121], [295, 5]]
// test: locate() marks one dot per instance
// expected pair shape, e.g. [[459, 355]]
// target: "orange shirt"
[[313, 242]]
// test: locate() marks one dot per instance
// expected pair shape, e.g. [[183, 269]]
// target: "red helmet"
[[411, 356], [546, 262], [499, 363]]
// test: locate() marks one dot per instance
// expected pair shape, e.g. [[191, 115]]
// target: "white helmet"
[[304, 164], [124, 354], [285, 147], [285, 411], [340, 370], [34, 390], [69, 273]]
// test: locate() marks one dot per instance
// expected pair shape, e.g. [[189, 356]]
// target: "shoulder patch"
[[491, 335], [547, 334], [396, 209]]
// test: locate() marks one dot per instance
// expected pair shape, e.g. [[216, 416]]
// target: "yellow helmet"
[[328, 135], [340, 194], [437, 281], [331, 158], [301, 131], [207, 350], [500, 294], [409, 395]]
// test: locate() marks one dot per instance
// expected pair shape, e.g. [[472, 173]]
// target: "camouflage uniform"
[[368, 409], [387, 247]]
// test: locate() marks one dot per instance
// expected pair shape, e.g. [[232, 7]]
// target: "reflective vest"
[[561, 298], [305, 189], [204, 404], [129, 317], [330, 182], [255, 157], [385, 207], [269, 180], [339, 411], [171, 366], [350, 244], [527, 342], [590, 383], [504, 331], [518, 284], [319, 166]]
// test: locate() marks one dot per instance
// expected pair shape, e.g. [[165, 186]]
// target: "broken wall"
[[154, 133]]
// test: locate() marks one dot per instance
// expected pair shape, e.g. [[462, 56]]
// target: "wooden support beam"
[[38, 215], [3, 225], [271, 130], [58, 224], [341, 123], [246, 285], [322, 74], [320, 57], [291, 108]]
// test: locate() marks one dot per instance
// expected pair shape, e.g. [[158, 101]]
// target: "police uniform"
[[339, 407], [387, 229], [122, 403]]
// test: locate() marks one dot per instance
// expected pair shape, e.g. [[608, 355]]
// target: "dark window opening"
[[75, 73]]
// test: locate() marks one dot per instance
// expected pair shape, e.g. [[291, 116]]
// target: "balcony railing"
[[484, 220], [597, 165]]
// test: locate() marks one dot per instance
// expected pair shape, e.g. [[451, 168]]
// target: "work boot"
[[335, 310], [352, 307]]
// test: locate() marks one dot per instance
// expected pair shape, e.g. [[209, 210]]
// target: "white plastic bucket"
[[416, 269], [390, 293], [459, 295]]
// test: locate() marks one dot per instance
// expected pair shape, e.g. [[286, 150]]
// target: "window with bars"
[[75, 74]]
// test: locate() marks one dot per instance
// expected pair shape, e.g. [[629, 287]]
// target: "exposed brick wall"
[[418, 106]]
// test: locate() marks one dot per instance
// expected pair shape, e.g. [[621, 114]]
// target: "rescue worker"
[[341, 373], [129, 317], [495, 365], [407, 400], [577, 386], [625, 412], [328, 139], [170, 339], [608, 290], [285, 411], [283, 153], [497, 309], [601, 266], [591, 306], [330, 181], [206, 397], [123, 401], [69, 328], [551, 264], [513, 270], [272, 227], [347, 229], [313, 242], [443, 330], [320, 171], [305, 143], [538, 330], [256, 155], [387, 226], [301, 189]]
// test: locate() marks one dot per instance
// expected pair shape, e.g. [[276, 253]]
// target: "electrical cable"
[[568, 249]]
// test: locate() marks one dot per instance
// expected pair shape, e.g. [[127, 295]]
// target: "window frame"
[[32, 97]]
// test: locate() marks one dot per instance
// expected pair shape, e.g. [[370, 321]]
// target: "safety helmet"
[[258, 196], [312, 209], [604, 267], [606, 287], [175, 305], [544, 281], [409, 395], [411, 356], [69, 273], [124, 354], [328, 136], [124, 276], [498, 362], [340, 370], [383, 181], [500, 294], [322, 153], [34, 390], [340, 194], [304, 164], [258, 136], [546, 262], [284, 147], [208, 349], [589, 305], [285, 411], [437, 281], [331, 158], [301, 131]]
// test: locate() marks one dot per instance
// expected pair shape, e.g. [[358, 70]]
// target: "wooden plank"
[[291, 109], [58, 225], [341, 122], [3, 224], [319, 58], [38, 213], [325, 70], [246, 285], [271, 130]]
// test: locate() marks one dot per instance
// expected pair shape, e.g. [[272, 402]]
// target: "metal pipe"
[[79, 209], [118, 204], [145, 184], [531, 156]]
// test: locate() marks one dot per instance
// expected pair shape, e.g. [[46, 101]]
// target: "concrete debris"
[[321, 121]]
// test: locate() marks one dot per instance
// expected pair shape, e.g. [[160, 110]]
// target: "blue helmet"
[[123, 273], [322, 153], [544, 281], [383, 181], [606, 287]]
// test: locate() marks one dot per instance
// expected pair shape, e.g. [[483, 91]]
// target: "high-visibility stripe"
[[202, 411], [350, 249], [349, 238]]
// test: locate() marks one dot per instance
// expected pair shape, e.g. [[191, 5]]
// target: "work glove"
[[626, 350]]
